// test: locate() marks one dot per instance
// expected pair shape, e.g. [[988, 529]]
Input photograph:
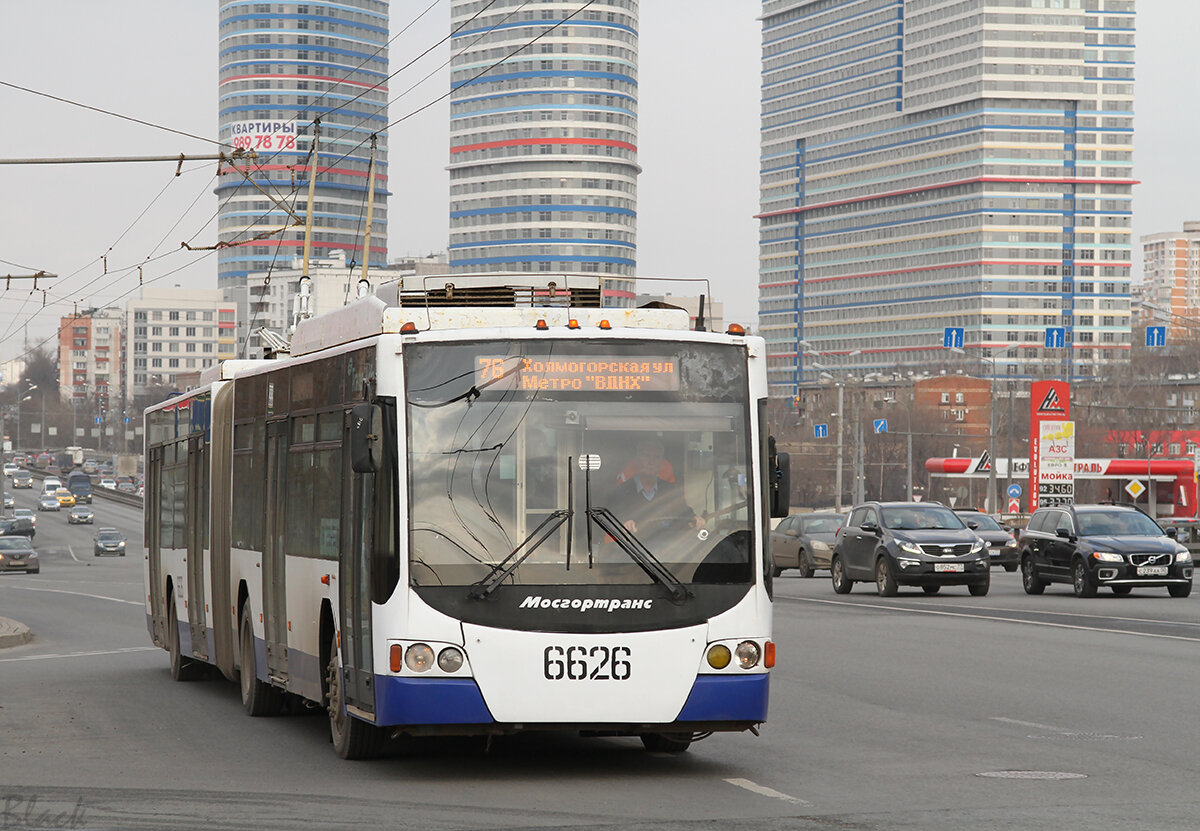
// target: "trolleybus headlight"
[[719, 656], [419, 657], [748, 654], [450, 659]]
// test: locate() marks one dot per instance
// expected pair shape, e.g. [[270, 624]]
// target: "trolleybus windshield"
[[530, 460]]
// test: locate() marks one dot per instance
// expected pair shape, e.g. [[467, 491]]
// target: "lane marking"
[[1081, 615], [762, 790], [80, 594], [124, 651], [1020, 723], [71, 551], [911, 610]]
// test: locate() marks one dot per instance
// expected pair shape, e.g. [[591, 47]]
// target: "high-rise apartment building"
[[90, 357], [174, 331], [543, 139], [933, 164], [1171, 280], [284, 66]]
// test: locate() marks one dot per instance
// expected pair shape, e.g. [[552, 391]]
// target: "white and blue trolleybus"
[[475, 510]]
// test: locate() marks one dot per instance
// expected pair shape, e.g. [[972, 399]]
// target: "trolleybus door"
[[354, 579], [274, 583], [197, 517], [152, 530]]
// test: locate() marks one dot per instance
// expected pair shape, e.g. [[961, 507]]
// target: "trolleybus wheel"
[[259, 698], [352, 738], [666, 742]]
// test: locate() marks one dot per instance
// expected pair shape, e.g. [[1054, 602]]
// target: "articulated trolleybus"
[[475, 511]]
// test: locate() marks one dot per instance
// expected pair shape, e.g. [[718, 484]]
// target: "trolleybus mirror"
[[366, 433], [780, 484]]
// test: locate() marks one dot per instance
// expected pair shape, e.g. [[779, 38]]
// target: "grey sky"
[[156, 60]]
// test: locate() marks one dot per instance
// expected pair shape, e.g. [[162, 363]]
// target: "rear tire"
[[841, 583], [1010, 568], [258, 697], [182, 669], [352, 738], [666, 742], [1081, 580], [885, 581], [1029, 579], [806, 568], [931, 589], [1180, 591]]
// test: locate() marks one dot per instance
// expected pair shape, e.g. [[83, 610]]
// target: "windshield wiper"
[[638, 552], [504, 569]]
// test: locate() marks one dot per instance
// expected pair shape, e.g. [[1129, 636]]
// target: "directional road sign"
[[952, 337], [1156, 336], [1056, 337], [820, 431], [1014, 491], [881, 425]]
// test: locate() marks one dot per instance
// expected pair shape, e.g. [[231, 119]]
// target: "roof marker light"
[[572, 324], [604, 324], [541, 325], [409, 328], [735, 329]]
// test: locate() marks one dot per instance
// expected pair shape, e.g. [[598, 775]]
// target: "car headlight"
[[1011, 543], [979, 545], [1108, 557], [910, 547], [121, 544], [1184, 556]]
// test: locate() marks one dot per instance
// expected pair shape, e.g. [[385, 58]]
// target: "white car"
[[10, 468], [111, 484]]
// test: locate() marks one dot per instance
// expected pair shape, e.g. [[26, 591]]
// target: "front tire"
[[806, 568], [980, 589], [1121, 591], [352, 738], [1180, 591], [258, 698], [1010, 568], [1081, 580], [1029, 579], [931, 589], [666, 742], [841, 583], [885, 580]]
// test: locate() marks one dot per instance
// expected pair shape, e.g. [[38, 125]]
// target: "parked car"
[[65, 498], [108, 541], [805, 542], [17, 527], [80, 515], [1090, 546], [48, 502], [22, 479], [17, 554], [909, 544], [1002, 544]]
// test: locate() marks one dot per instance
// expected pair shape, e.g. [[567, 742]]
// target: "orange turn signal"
[[396, 658], [769, 655]]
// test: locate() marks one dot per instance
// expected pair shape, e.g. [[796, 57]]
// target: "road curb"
[[13, 633]]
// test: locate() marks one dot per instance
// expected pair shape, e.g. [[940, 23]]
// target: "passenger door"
[[785, 540], [275, 556], [1059, 550], [860, 544]]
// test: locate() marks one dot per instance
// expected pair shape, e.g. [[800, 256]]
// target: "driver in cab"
[[649, 505]]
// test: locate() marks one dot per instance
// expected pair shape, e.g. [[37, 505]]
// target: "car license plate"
[[1152, 571], [947, 566]]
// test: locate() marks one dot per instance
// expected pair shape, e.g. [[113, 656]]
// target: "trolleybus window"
[[525, 451]]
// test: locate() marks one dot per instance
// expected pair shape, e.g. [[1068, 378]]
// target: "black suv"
[[1000, 540], [908, 544], [1090, 546], [17, 527]]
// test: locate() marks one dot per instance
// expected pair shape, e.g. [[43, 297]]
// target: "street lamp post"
[[841, 388]]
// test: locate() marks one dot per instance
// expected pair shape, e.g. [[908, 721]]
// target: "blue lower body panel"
[[728, 698], [429, 701]]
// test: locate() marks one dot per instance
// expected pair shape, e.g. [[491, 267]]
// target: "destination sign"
[[578, 374]]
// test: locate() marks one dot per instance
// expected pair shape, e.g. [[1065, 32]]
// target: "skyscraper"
[[283, 66], [1171, 279], [933, 164], [543, 139]]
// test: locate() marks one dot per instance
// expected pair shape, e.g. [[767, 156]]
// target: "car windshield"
[[1117, 523], [109, 536], [982, 521], [822, 525], [15, 544], [926, 517]]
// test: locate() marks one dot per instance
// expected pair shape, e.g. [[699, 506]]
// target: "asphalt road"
[[913, 712]]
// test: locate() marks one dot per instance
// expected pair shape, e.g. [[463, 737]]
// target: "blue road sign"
[[1156, 336], [1014, 491], [952, 337], [1056, 337], [99, 420], [820, 431], [881, 425]]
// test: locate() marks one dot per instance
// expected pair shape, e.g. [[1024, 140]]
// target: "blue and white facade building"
[[945, 163], [543, 140], [282, 66]]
